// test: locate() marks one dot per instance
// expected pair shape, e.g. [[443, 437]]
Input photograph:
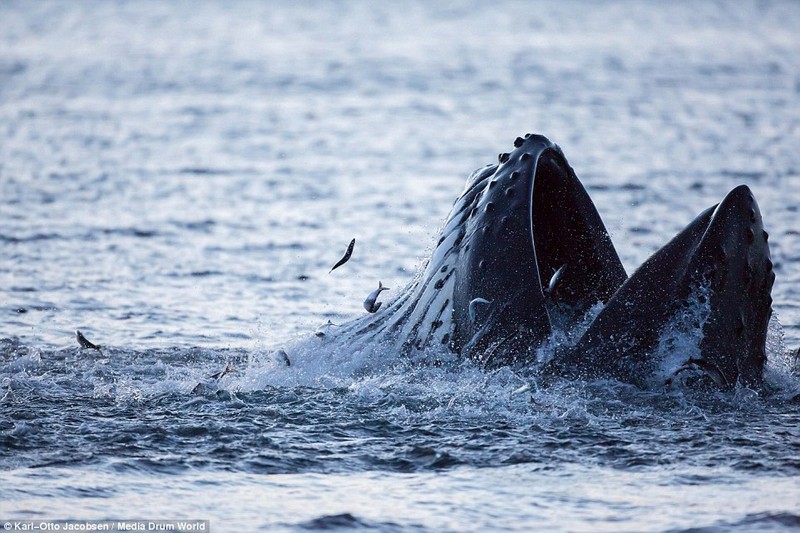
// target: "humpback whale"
[[525, 241]]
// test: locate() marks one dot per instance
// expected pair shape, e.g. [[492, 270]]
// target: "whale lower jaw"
[[723, 259]]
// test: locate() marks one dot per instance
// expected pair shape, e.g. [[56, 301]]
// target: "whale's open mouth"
[[534, 242], [525, 252], [577, 263]]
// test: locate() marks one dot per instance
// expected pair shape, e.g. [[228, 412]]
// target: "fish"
[[473, 303], [551, 291], [345, 258], [85, 344], [212, 381], [369, 303], [280, 356]]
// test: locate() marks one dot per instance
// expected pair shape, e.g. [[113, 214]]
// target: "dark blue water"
[[177, 179]]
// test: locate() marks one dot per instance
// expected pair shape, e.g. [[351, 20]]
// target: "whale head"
[[515, 225], [524, 251]]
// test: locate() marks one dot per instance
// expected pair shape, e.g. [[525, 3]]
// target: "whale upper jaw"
[[527, 219], [723, 255]]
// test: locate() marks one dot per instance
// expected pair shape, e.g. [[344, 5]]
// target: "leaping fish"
[[84, 342], [213, 379], [222, 373], [369, 303], [345, 258], [473, 303], [551, 291], [281, 357]]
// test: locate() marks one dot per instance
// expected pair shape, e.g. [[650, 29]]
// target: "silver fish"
[[520, 390], [84, 342], [211, 383], [369, 303], [473, 303], [345, 258], [322, 330], [222, 373], [552, 287], [280, 356]]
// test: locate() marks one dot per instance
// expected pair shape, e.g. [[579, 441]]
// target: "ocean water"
[[176, 180]]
